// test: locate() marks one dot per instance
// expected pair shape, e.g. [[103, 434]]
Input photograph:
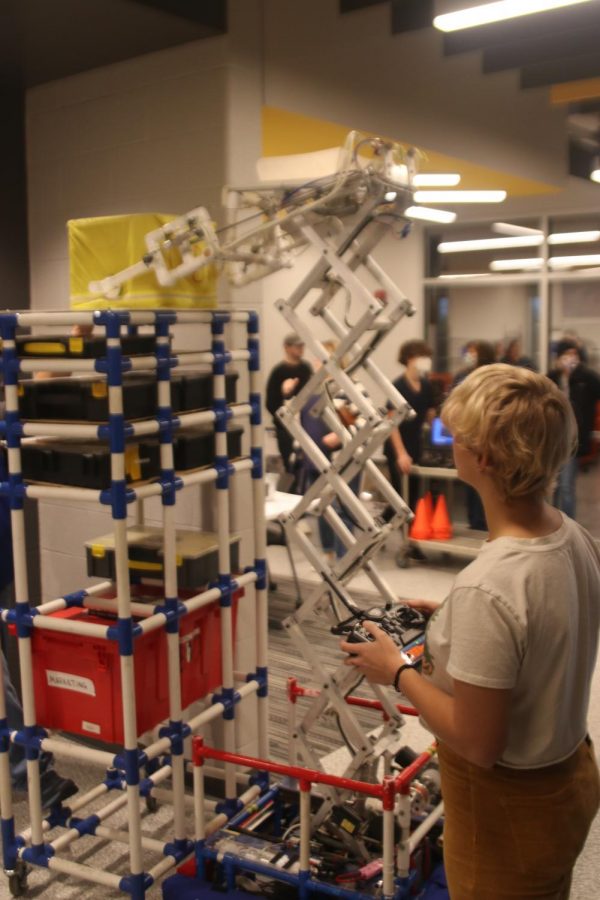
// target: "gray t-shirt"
[[525, 615]]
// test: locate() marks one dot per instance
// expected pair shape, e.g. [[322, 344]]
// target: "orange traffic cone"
[[420, 530], [429, 506], [441, 526]]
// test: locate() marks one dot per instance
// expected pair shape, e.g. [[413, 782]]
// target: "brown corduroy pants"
[[514, 834]]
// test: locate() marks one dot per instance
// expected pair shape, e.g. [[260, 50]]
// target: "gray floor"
[[430, 579]]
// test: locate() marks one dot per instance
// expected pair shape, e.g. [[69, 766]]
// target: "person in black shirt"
[[403, 447], [582, 386], [286, 380]]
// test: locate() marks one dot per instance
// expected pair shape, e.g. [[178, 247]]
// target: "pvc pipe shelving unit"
[[133, 774]]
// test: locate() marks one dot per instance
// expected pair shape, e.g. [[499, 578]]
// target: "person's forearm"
[[438, 710]]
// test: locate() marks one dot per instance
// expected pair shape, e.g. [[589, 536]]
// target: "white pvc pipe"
[[71, 626], [78, 751], [199, 801], [49, 492], [425, 827], [388, 853], [31, 364], [85, 873], [163, 866], [74, 806], [304, 831]]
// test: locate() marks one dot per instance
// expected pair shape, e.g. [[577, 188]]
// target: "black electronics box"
[[197, 555], [76, 399], [81, 347], [87, 465]]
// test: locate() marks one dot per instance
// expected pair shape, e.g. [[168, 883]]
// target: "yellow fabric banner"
[[105, 245]]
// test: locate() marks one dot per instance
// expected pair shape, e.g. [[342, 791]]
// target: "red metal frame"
[[296, 690]]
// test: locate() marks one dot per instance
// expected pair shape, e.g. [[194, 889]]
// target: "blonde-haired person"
[[510, 653]]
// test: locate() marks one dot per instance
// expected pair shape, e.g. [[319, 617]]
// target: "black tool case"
[[197, 555], [82, 347], [75, 399], [87, 465]]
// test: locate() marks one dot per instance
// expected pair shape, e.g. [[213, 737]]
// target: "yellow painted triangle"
[[285, 132]]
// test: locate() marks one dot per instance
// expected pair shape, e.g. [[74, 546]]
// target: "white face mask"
[[470, 359], [423, 365], [568, 362]]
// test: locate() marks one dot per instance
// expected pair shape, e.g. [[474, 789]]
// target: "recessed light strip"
[[443, 216], [505, 243], [512, 230], [459, 196], [525, 240], [536, 262], [488, 13]]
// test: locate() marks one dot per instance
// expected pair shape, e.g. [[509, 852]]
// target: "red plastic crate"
[[77, 679]]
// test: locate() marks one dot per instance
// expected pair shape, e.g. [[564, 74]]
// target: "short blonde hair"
[[519, 420]]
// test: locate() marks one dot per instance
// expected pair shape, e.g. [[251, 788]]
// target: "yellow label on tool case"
[[21, 391], [144, 566], [133, 468], [98, 551], [48, 348], [99, 389], [76, 344]]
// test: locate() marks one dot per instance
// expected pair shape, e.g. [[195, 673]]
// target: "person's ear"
[[485, 463]]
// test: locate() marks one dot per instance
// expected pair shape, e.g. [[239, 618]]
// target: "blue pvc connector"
[[176, 737], [125, 495], [223, 472], [179, 849], [14, 428], [219, 320], [38, 854], [136, 885], [230, 806], [222, 413], [260, 567], [30, 737], [8, 325], [224, 584], [85, 826], [113, 780], [124, 633], [104, 431], [262, 676], [256, 455], [10, 364], [10, 843], [75, 599], [22, 615], [256, 409], [229, 697], [131, 767], [254, 351]]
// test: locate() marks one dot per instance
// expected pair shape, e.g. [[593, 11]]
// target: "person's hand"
[[377, 660], [289, 386], [427, 607], [331, 440], [404, 461]]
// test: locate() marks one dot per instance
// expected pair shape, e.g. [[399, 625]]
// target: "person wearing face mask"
[[403, 447], [475, 354], [582, 386]]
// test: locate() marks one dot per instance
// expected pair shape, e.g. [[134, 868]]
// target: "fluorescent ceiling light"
[[525, 240], [508, 265], [430, 215], [488, 13], [595, 175], [399, 173], [510, 229], [390, 195], [451, 276], [555, 262], [567, 262], [503, 243], [459, 196], [574, 237]]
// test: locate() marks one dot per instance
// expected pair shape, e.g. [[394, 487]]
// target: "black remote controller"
[[403, 624]]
